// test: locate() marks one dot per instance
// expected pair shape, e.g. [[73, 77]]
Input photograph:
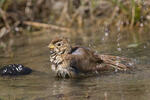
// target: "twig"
[[133, 14], [114, 13], [4, 17], [43, 25]]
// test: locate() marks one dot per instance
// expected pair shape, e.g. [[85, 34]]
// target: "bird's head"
[[59, 46]]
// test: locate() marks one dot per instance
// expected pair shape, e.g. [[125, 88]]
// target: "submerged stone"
[[14, 69]]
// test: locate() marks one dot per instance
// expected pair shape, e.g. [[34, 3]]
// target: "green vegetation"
[[73, 13]]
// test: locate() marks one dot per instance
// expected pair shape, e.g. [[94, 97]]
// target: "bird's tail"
[[119, 63]]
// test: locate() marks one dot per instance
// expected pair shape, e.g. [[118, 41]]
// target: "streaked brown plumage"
[[68, 61]]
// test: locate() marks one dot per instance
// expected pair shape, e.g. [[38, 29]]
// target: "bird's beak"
[[51, 46]]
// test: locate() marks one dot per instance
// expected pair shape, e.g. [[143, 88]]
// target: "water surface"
[[31, 50]]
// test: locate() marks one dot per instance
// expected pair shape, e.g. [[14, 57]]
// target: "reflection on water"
[[32, 51]]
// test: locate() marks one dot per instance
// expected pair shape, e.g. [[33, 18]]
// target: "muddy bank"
[[79, 13]]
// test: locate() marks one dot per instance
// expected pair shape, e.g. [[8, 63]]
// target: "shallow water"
[[31, 50]]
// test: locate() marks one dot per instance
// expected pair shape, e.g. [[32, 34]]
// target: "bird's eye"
[[58, 44]]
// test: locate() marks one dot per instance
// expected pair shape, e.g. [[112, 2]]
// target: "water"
[[31, 50]]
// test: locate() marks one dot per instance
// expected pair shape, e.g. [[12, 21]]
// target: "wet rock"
[[14, 69]]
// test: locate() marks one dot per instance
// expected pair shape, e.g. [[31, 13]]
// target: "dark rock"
[[14, 69]]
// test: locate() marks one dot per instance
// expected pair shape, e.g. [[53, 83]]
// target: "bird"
[[69, 61]]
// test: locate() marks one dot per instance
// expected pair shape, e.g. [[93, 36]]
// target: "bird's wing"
[[88, 60], [84, 59]]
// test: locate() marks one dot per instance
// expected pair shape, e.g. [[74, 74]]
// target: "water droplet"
[[16, 29], [141, 25], [118, 44], [106, 33], [117, 63], [130, 64], [103, 38], [118, 29], [116, 70], [119, 49]]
